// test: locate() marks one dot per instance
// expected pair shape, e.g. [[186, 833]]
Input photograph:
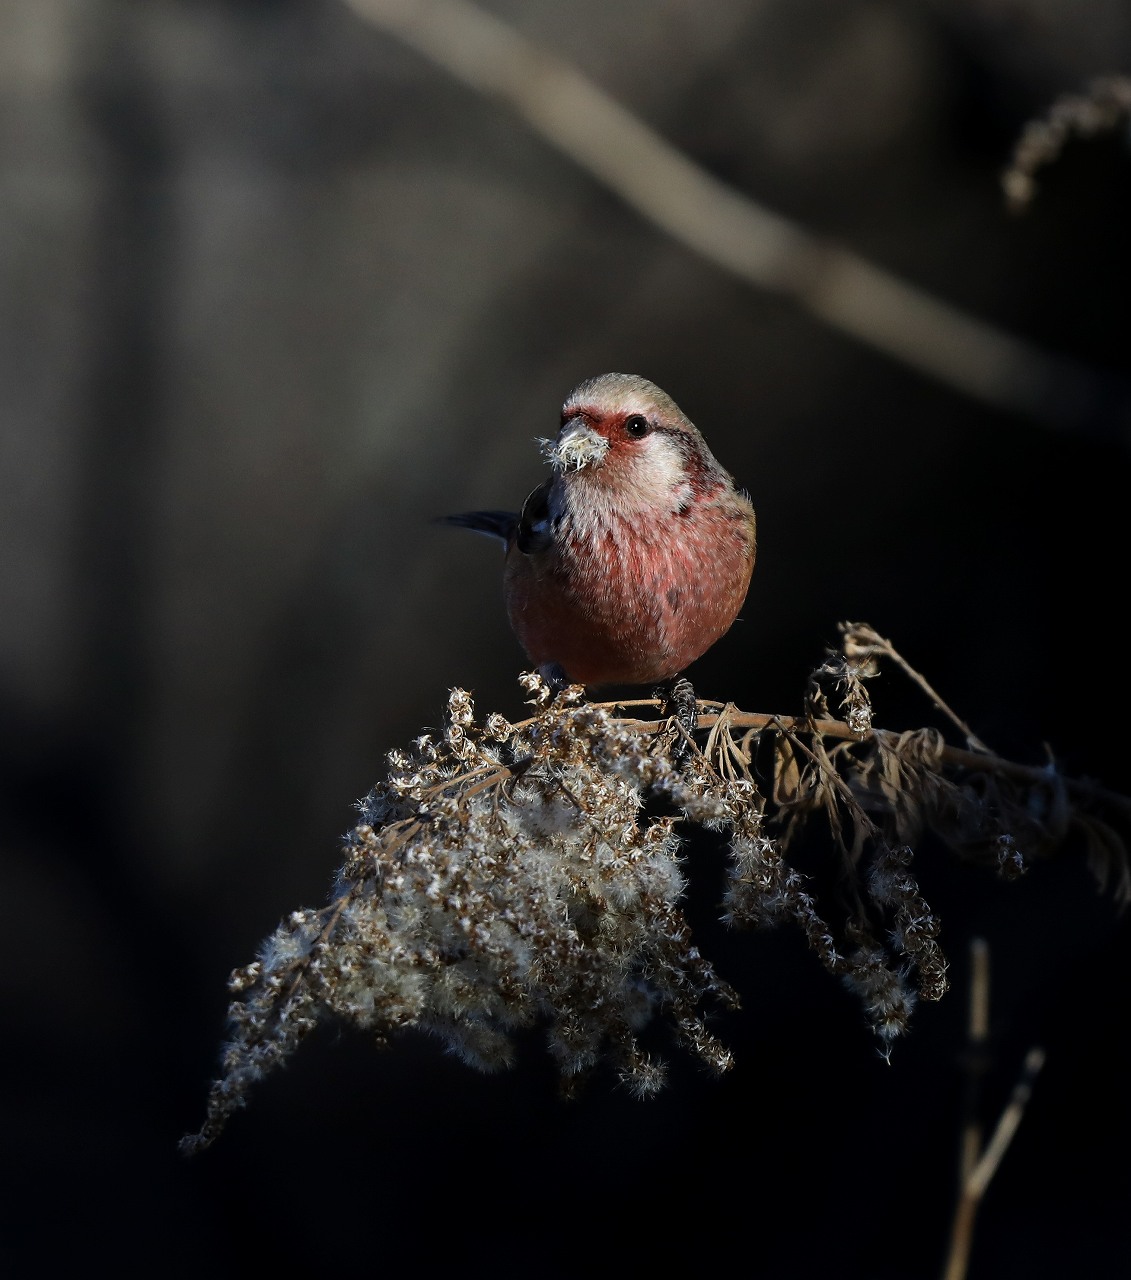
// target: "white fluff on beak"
[[577, 446]]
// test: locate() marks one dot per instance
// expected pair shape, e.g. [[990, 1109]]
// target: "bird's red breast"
[[621, 601]]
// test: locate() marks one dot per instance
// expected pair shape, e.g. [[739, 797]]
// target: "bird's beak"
[[578, 445]]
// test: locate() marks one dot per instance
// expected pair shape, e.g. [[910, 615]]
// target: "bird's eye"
[[636, 424]]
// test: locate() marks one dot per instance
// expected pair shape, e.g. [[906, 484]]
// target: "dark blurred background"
[[275, 291]]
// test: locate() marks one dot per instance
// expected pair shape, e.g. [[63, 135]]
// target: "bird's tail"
[[496, 524]]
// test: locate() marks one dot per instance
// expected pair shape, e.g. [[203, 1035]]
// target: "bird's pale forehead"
[[616, 394], [616, 402]]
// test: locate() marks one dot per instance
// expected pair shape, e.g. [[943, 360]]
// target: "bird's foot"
[[561, 688], [554, 675], [549, 684], [678, 702]]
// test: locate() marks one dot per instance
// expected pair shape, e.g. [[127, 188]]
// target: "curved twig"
[[737, 233]]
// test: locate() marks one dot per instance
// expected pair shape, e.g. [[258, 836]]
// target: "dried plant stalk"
[[505, 876], [1104, 106], [978, 1163]]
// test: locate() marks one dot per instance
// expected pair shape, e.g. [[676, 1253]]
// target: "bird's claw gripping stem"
[[679, 703]]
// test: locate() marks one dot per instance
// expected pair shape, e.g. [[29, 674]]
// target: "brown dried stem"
[[978, 1164]]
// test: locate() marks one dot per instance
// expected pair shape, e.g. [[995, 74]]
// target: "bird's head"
[[629, 445]]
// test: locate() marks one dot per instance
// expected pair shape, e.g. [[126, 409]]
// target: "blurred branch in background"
[[736, 233]]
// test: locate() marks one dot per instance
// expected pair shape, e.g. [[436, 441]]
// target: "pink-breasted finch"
[[635, 556]]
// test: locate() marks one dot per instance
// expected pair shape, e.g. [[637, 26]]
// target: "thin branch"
[[975, 1184], [977, 1164], [979, 1025], [1007, 1125], [976, 761], [977, 1033], [737, 233], [865, 641]]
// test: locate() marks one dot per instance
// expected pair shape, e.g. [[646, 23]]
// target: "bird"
[[635, 555]]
